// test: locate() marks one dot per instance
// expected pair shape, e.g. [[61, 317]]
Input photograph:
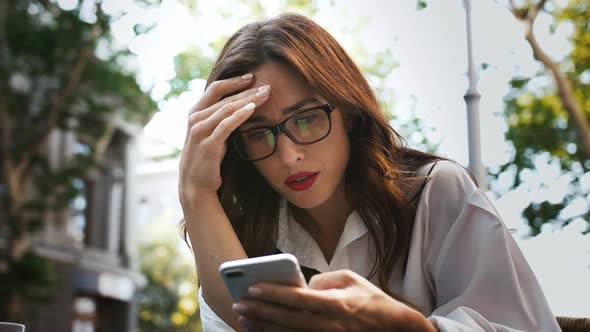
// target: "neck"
[[325, 222]]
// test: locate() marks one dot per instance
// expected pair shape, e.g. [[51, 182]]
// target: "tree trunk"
[[564, 88]]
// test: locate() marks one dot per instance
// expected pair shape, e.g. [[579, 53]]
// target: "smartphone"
[[240, 274]]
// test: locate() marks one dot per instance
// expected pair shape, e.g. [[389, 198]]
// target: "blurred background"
[[94, 97]]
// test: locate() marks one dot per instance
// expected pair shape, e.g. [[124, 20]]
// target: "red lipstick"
[[301, 180]]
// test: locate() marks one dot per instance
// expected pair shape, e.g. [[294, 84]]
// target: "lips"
[[301, 180]]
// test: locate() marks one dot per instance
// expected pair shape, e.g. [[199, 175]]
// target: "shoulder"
[[448, 175], [448, 188], [451, 203], [451, 199]]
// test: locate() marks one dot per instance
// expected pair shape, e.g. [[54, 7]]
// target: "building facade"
[[92, 244]]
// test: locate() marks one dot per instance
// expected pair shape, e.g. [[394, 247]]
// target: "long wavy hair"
[[381, 170]]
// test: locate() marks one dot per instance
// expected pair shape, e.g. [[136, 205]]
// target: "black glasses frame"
[[280, 128]]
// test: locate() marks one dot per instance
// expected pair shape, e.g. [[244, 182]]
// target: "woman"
[[288, 151]]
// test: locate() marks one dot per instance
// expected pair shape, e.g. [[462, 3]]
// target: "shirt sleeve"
[[481, 280], [209, 319]]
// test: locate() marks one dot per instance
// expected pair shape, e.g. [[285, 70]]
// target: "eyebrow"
[[298, 105]]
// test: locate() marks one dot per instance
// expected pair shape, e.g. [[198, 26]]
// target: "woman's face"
[[306, 175]]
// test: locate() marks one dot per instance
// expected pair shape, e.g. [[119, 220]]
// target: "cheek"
[[268, 170], [341, 153]]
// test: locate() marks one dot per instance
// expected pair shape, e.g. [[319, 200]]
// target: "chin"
[[305, 201]]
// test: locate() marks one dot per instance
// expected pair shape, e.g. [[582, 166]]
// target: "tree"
[[51, 79], [548, 114], [169, 300]]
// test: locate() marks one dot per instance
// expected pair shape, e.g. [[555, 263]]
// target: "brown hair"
[[380, 170]]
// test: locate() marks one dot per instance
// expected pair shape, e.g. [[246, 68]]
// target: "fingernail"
[[254, 291], [263, 91], [247, 76], [239, 307], [249, 107]]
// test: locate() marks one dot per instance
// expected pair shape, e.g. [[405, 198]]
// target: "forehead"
[[287, 86]]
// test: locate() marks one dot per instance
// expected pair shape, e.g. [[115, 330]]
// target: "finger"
[[296, 297], [269, 321], [212, 116], [218, 89], [262, 325], [334, 279], [265, 325], [231, 123], [271, 314], [207, 112], [275, 314]]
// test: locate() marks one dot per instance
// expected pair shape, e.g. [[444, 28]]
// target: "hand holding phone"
[[240, 274]]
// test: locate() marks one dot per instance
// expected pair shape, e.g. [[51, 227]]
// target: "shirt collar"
[[294, 239]]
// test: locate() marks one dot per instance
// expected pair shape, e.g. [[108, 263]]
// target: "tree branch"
[[8, 170], [527, 13], [564, 88], [5, 129], [59, 100], [103, 142], [534, 10], [5, 132], [57, 105]]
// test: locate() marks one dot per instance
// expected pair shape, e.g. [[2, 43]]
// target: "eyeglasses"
[[306, 127]]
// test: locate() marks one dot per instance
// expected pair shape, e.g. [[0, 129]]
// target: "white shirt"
[[463, 266]]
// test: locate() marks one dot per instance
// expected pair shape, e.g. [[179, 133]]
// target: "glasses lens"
[[309, 126], [303, 128], [256, 143]]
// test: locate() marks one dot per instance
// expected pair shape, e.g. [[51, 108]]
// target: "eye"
[[257, 135], [306, 119]]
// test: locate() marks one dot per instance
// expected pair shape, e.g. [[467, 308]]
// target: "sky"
[[430, 47]]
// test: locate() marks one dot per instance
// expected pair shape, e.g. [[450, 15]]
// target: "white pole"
[[472, 98]]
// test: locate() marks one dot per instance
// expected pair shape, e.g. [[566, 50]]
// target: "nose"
[[288, 151]]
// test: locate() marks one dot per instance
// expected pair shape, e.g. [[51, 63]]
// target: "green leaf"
[[421, 4], [141, 29], [538, 124]]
